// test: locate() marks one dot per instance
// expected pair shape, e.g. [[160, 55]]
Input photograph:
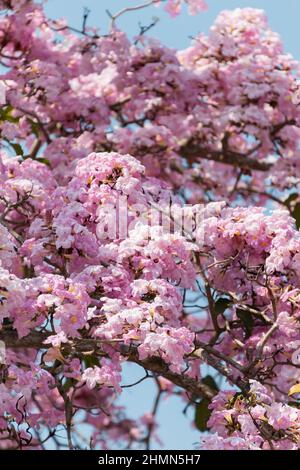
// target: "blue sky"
[[175, 428], [283, 16]]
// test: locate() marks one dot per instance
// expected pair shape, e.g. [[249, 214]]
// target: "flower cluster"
[[253, 422], [94, 124]]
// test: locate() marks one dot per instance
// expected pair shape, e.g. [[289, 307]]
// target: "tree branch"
[[191, 151], [155, 365]]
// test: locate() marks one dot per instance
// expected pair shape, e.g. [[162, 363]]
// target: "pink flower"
[[56, 340], [107, 375], [261, 393], [282, 416], [170, 343], [100, 120], [9, 130], [287, 324], [196, 6], [173, 7]]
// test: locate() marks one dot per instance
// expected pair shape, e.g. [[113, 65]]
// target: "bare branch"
[[128, 9], [192, 151]]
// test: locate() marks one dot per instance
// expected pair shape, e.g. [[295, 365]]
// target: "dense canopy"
[[102, 139]]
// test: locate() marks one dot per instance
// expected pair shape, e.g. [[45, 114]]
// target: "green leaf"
[[221, 304], [294, 404], [236, 396], [296, 214], [68, 384], [294, 207], [202, 414], [291, 198], [6, 115], [17, 148], [43, 160], [91, 361], [210, 382], [247, 320]]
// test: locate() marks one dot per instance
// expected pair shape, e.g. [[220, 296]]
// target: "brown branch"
[[155, 365], [128, 9], [211, 308], [159, 367], [41, 125], [192, 151], [151, 425], [33, 340]]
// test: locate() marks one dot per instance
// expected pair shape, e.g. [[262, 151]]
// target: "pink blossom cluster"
[[107, 375], [254, 422], [92, 121], [173, 7]]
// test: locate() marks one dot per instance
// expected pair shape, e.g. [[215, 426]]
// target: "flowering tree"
[[102, 138]]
